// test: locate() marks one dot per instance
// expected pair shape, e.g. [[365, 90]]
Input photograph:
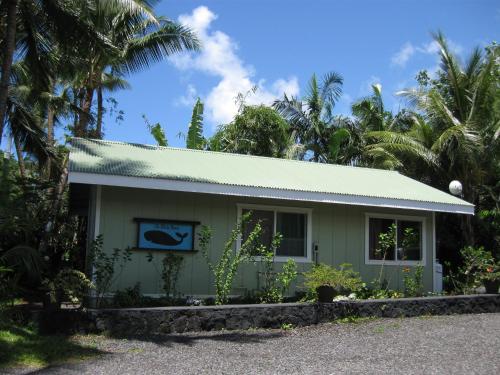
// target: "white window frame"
[[275, 209], [395, 262]]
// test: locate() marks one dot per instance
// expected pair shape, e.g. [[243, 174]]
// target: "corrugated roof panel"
[[136, 160]]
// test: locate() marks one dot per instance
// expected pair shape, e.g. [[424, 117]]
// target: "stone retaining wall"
[[126, 322]]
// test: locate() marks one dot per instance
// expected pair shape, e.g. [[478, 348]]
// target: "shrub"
[[478, 265], [129, 297], [104, 265], [226, 267], [68, 283], [413, 284], [344, 280], [276, 284], [172, 265]]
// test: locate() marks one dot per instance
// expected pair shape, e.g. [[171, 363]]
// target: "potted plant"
[[68, 284], [491, 278], [325, 282]]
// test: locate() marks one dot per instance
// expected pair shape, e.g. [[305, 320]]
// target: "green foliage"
[[413, 284], [225, 268], [104, 266], [287, 326], [276, 284], [478, 265], [7, 288], [195, 138], [311, 119], [68, 283], [376, 292], [24, 260], [157, 132], [344, 279], [256, 130], [489, 230], [172, 265], [130, 297], [386, 243]]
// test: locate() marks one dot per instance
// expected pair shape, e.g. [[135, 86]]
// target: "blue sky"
[[278, 45]]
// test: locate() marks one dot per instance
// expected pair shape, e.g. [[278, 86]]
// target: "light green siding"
[[338, 230]]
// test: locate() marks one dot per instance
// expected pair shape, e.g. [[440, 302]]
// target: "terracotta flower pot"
[[325, 293], [492, 286]]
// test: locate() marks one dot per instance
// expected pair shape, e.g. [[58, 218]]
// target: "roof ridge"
[[231, 154]]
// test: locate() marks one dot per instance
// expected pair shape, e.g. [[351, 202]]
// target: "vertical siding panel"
[[339, 230]]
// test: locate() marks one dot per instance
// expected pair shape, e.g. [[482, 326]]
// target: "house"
[[154, 199]]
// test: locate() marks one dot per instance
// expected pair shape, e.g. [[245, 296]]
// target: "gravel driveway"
[[461, 344]]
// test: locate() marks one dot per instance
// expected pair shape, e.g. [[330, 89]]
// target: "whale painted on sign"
[[162, 238]]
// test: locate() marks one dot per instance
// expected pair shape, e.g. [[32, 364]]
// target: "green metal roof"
[[99, 157]]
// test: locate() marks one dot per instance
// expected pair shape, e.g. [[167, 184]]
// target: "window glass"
[[381, 236], [292, 227], [266, 219], [409, 240]]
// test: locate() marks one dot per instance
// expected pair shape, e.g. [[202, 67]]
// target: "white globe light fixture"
[[455, 187]]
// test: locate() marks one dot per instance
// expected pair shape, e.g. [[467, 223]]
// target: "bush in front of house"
[[343, 281], [226, 267], [276, 284], [104, 266], [479, 267], [68, 284], [171, 267]]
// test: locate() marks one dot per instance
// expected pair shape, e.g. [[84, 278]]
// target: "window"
[[266, 219], [292, 223], [394, 239]]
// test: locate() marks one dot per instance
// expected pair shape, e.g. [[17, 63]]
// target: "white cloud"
[[403, 55], [189, 98], [408, 50], [219, 58]]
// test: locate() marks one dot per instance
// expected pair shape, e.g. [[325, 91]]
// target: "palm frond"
[[23, 259], [402, 144], [195, 138], [141, 52], [135, 7], [451, 67], [331, 87]]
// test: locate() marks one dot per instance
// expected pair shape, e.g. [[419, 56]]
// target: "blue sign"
[[165, 235]]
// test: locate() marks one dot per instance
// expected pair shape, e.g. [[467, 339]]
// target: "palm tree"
[[312, 117], [137, 42], [373, 124], [34, 27], [454, 128]]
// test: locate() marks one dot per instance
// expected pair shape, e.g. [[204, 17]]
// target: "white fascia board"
[[260, 192]]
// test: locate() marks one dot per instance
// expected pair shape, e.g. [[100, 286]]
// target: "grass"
[[24, 347], [287, 326], [354, 319]]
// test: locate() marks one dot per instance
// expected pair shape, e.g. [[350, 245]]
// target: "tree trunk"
[[82, 130], [76, 100], [50, 137], [99, 113], [56, 206], [20, 159], [9, 48]]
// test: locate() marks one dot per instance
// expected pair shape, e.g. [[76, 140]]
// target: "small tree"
[[386, 243], [172, 265], [276, 284], [224, 270], [103, 267]]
